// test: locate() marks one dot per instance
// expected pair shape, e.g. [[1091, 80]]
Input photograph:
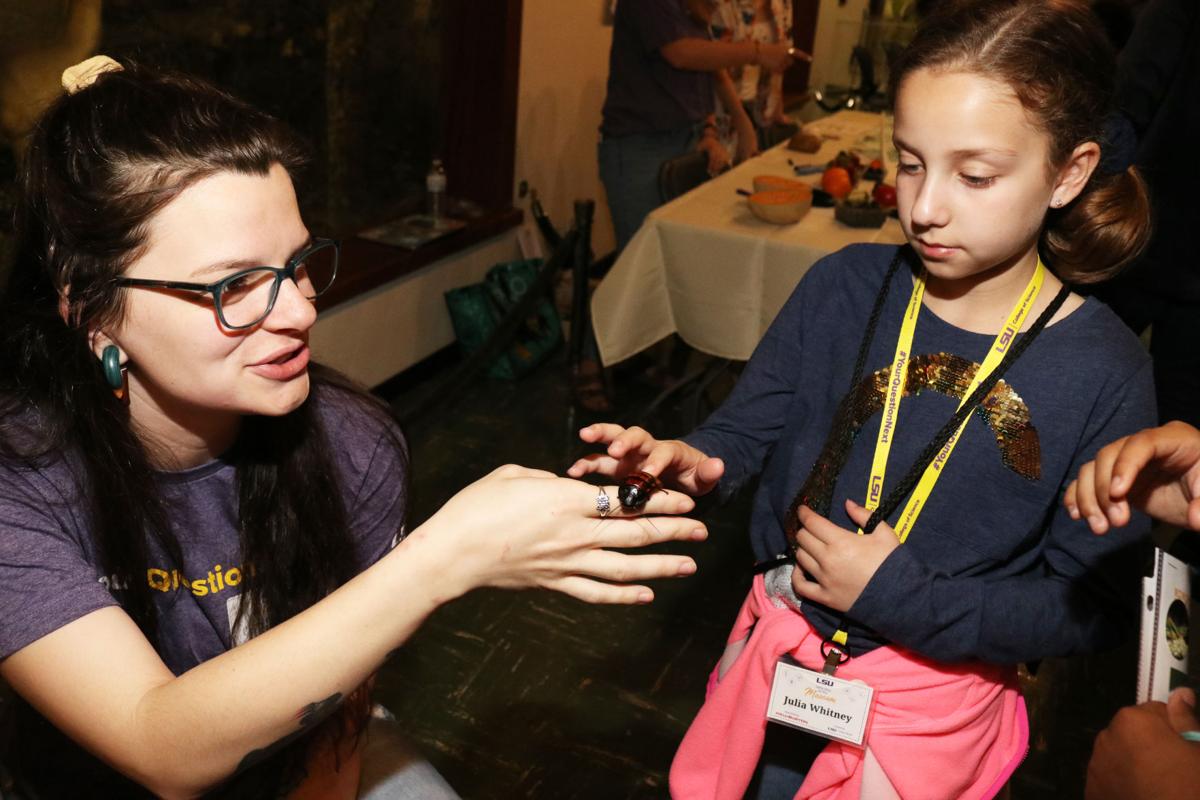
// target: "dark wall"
[[359, 79]]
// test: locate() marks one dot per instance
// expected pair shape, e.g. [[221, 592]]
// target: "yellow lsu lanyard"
[[897, 380], [896, 384]]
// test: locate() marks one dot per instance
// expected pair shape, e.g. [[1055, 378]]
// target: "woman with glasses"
[[202, 549]]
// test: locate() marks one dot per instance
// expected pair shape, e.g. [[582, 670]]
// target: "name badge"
[[820, 703]]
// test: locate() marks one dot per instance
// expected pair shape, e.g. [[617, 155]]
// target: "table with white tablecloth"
[[705, 267]]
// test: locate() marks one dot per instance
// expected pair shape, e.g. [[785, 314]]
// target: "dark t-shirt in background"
[[645, 93]]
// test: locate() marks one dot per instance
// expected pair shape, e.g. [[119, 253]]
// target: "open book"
[[1167, 632]]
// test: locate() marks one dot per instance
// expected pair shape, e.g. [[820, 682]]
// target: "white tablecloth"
[[705, 267]]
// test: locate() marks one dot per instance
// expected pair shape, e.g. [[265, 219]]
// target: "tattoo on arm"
[[309, 717]]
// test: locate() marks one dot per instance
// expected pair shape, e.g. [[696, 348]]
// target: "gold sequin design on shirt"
[[945, 373]]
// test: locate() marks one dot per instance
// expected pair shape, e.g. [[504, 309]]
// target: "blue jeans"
[[629, 169], [787, 756], [393, 770]]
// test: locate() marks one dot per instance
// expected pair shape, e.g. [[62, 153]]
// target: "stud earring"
[[1057, 203], [115, 375]]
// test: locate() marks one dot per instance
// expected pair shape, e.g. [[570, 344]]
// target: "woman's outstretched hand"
[[521, 528], [1156, 470], [677, 464], [836, 564]]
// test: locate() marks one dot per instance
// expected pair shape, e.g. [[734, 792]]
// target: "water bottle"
[[435, 190]]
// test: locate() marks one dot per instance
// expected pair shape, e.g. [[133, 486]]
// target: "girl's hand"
[[520, 528], [747, 138], [718, 156], [1156, 470], [747, 135], [839, 562], [677, 464]]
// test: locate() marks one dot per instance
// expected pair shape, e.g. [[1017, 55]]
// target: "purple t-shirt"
[[50, 570], [645, 93]]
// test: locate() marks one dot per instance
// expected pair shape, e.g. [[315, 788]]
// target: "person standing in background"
[[765, 22], [664, 69]]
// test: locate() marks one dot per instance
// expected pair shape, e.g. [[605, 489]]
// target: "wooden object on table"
[[804, 141]]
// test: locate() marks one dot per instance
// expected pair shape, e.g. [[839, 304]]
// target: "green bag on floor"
[[476, 311]]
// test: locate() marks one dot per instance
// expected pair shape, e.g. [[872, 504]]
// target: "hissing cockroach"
[[636, 489]]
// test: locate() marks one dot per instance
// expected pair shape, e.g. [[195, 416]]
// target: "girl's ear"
[[1074, 175]]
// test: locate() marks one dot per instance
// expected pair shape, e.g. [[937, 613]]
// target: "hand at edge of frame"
[[1156, 470]]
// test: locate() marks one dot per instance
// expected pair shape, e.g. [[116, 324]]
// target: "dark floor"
[[536, 695]]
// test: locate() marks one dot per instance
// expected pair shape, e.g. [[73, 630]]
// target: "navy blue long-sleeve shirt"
[[994, 569]]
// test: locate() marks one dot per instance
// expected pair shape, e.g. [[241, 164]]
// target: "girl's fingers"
[[816, 526], [1194, 515], [859, 515], [709, 472], [1069, 501], [660, 458], [600, 432], [807, 563], [1135, 453], [594, 463], [808, 590], [597, 592], [810, 543], [1102, 476], [632, 440], [1119, 513], [1085, 498]]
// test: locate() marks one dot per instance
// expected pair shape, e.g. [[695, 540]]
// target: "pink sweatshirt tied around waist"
[[937, 730]]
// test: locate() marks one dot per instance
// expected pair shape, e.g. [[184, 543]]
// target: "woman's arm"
[[102, 683], [704, 55]]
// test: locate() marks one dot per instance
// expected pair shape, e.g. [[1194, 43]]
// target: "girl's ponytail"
[[1102, 231]]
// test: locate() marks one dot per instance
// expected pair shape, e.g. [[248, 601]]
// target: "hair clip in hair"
[[84, 74]]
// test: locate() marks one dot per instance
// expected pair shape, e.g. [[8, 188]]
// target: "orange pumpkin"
[[781, 207], [836, 181]]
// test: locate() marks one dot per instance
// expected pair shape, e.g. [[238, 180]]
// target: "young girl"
[[198, 563], [765, 22], [850, 409]]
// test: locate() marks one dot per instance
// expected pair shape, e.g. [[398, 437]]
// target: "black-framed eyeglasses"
[[245, 298]]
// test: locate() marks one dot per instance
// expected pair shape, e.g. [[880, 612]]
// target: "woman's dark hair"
[[100, 164], [1057, 60]]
